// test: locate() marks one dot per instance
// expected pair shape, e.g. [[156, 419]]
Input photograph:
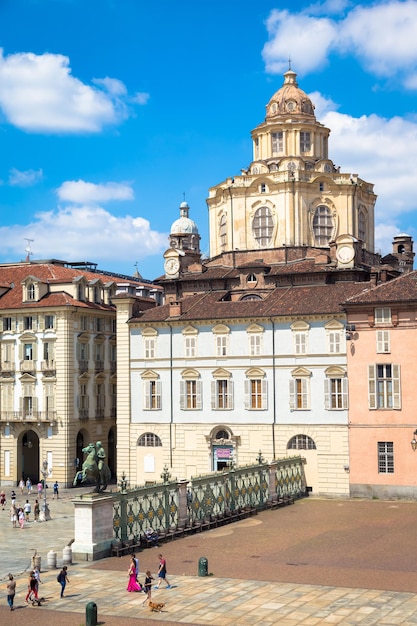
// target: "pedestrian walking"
[[36, 511], [13, 496], [32, 593], [13, 514], [63, 579], [2, 500], [21, 485], [27, 510], [132, 584], [162, 572], [11, 591], [37, 575], [148, 586], [39, 488], [136, 561], [21, 517], [56, 490], [29, 486]]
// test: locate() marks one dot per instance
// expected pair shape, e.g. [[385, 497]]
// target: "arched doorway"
[[28, 465], [111, 452]]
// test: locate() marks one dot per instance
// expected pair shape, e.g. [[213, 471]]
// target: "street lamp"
[[44, 514], [414, 440]]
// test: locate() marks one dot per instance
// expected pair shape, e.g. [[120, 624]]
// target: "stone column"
[[182, 502], [93, 527], [272, 470]]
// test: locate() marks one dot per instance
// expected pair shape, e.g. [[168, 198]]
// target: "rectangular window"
[[7, 323], [49, 321], [190, 346], [255, 343], [300, 342], [383, 315], [221, 345], [99, 324], [384, 391], [222, 394], [335, 393], [277, 141], [84, 322], [257, 148], [385, 457], [383, 341], [334, 338], [152, 395], [149, 347], [190, 395], [256, 397], [299, 394], [305, 141], [28, 322], [28, 352]]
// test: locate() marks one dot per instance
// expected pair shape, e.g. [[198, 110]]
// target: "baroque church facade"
[[249, 352]]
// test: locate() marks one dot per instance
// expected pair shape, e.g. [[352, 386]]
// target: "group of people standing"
[[19, 515], [135, 585]]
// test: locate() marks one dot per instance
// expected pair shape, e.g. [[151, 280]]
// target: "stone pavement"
[[298, 565]]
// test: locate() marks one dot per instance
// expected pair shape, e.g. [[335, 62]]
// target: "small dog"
[[156, 607]]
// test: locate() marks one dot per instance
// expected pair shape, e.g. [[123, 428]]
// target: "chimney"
[[175, 309]]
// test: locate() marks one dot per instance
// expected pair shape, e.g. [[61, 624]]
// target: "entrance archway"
[[28, 464]]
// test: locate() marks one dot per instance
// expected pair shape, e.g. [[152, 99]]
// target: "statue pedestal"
[[93, 526]]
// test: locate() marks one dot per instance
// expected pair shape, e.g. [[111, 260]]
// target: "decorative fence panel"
[[164, 505]]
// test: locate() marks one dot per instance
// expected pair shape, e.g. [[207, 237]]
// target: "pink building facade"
[[381, 357]]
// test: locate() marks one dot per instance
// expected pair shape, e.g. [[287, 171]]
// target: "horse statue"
[[94, 466]]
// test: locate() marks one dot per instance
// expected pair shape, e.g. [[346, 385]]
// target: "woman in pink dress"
[[133, 585]]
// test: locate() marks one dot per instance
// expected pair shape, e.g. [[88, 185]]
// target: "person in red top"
[[162, 572]]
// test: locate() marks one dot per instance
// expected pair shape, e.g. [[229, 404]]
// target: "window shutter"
[[372, 387], [41, 322], [34, 403], [247, 394], [199, 395], [396, 386], [158, 394], [182, 394], [264, 394], [304, 390], [21, 352], [383, 341], [214, 394], [147, 394], [345, 396], [327, 394], [292, 394], [230, 386]]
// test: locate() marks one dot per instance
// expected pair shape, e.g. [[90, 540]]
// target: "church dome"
[[290, 99], [184, 225]]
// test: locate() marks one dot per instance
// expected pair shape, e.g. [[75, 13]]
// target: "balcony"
[[83, 414], [48, 366], [28, 416], [99, 414], [99, 365], [113, 366], [113, 412], [7, 368], [28, 365], [82, 365]]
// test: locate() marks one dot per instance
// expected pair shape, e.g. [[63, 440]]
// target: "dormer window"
[[252, 278], [30, 291], [263, 188]]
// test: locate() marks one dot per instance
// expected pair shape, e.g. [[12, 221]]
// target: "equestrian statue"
[[94, 466]]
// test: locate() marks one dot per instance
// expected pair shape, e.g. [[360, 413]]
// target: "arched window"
[[222, 434], [149, 440], [251, 296], [223, 232], [301, 442], [323, 225], [263, 226]]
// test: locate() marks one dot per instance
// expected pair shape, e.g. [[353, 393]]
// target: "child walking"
[[148, 586]]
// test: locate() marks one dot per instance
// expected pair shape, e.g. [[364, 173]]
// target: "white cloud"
[[39, 94], [379, 150], [87, 233], [27, 178], [381, 37], [140, 97], [82, 192], [305, 39]]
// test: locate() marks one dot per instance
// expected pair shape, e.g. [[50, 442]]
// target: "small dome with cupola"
[[184, 224], [289, 99]]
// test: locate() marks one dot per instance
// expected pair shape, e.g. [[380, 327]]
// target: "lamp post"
[[44, 515]]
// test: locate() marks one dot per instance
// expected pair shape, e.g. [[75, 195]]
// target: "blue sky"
[[112, 110]]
